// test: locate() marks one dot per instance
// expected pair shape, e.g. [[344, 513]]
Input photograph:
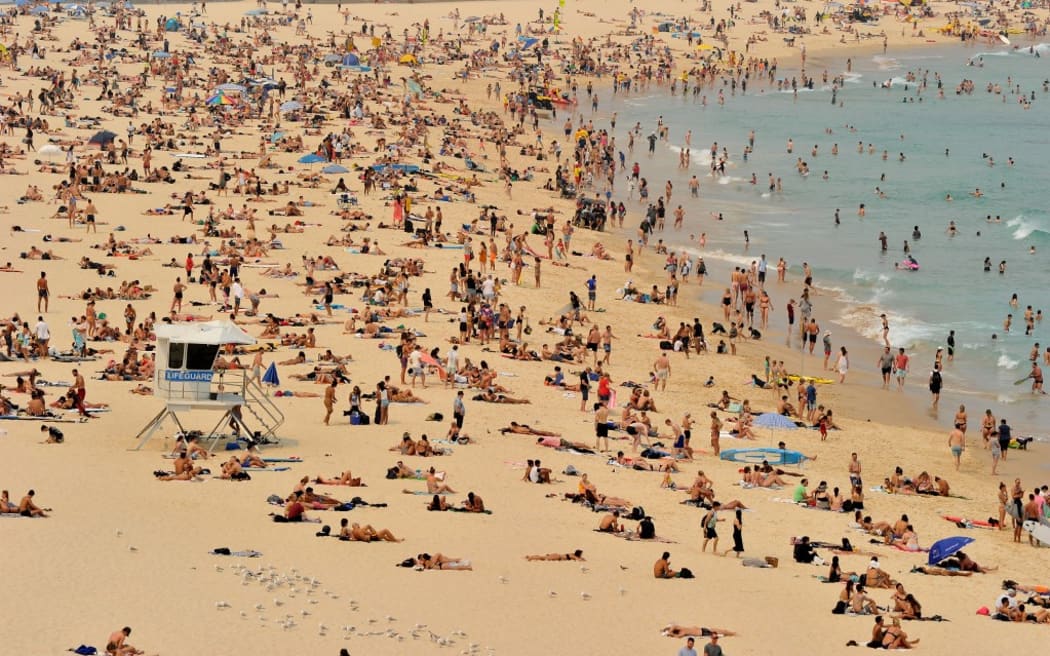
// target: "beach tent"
[[666, 26], [350, 59], [102, 137], [172, 25]]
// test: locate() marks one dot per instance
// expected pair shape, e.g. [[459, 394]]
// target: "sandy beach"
[[120, 547]]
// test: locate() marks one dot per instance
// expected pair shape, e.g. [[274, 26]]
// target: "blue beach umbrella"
[[38, 10], [160, 54], [312, 158], [231, 88], [335, 169], [947, 547], [291, 106], [774, 421], [270, 377]]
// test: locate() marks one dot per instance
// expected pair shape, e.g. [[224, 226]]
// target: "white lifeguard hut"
[[186, 378]]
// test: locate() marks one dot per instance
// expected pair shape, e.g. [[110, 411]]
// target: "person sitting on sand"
[[231, 469], [6, 505], [610, 523], [27, 508], [441, 562], [117, 644], [346, 478], [876, 577], [896, 638], [434, 486], [861, 603], [525, 429], [662, 567], [190, 474], [474, 503], [294, 511], [576, 555], [190, 444], [438, 503], [679, 631], [357, 533]]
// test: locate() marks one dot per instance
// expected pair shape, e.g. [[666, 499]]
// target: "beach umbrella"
[[50, 150], [231, 88], [38, 10], [270, 377], [529, 42], [102, 137], [256, 12], [351, 59], [161, 54], [774, 422], [291, 106], [312, 158], [219, 99], [22, 3], [334, 169], [471, 19], [942, 549], [414, 87], [7, 2]]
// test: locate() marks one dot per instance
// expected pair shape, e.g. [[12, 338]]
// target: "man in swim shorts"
[[900, 367], [957, 443]]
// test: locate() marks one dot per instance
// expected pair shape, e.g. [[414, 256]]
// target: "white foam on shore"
[[1006, 362]]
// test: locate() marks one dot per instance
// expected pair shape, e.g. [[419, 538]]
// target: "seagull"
[[503, 579], [585, 595], [552, 593]]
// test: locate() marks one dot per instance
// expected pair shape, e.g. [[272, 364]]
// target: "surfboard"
[[1004, 39], [757, 455], [1020, 382], [1040, 532], [975, 523]]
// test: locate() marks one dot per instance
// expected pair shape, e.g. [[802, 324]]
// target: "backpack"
[[685, 573], [637, 514]]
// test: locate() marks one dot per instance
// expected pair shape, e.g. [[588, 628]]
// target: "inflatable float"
[[760, 454]]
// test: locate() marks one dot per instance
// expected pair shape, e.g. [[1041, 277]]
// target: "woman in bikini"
[[896, 638], [576, 555]]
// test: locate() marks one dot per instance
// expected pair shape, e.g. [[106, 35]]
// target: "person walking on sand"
[[900, 368], [738, 535], [843, 364], [329, 400], [957, 444], [709, 524]]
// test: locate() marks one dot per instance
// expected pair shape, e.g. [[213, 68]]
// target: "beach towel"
[[225, 551]]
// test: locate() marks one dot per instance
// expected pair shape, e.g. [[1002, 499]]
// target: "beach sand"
[[121, 548]]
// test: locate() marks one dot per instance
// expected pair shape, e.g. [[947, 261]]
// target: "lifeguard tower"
[[186, 378]]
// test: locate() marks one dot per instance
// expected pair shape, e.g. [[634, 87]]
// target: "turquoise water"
[[951, 290]]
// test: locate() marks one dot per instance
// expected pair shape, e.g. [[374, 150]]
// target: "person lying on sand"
[[357, 533], [679, 631], [525, 429], [576, 555], [442, 562], [346, 478]]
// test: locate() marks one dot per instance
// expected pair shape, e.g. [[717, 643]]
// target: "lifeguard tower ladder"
[[186, 378]]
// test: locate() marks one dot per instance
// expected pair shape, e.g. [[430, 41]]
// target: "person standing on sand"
[[662, 370], [601, 425], [957, 444], [709, 524], [329, 400], [42, 292], [177, 290], [935, 386], [738, 535]]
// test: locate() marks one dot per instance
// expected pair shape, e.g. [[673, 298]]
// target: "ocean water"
[[877, 105]]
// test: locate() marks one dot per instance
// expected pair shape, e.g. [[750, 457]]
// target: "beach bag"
[[85, 650], [355, 418], [391, 473], [637, 514], [839, 609], [685, 573]]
